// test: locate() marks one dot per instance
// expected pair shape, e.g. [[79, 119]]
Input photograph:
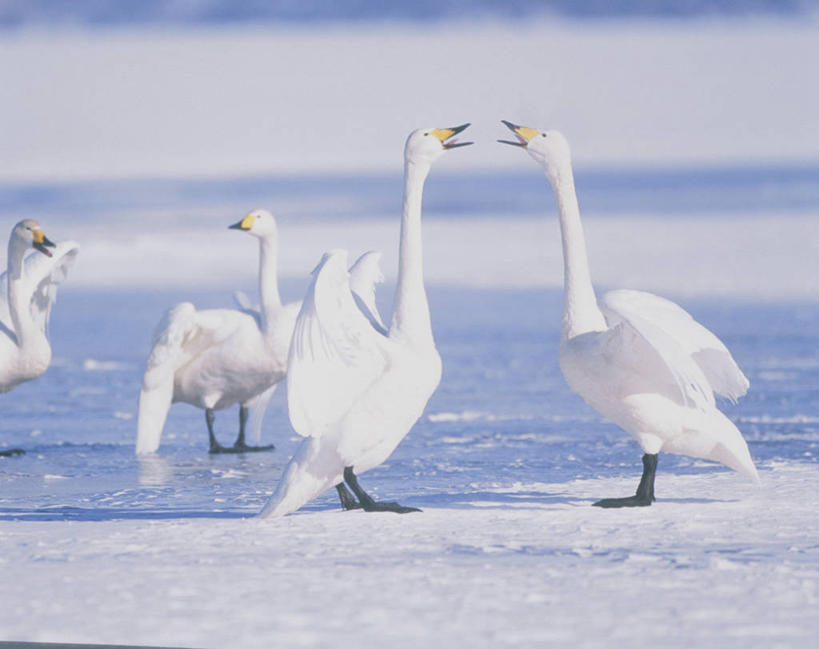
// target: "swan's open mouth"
[[522, 133], [446, 135], [41, 241]]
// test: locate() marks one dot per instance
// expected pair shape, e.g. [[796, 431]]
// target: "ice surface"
[[99, 546]]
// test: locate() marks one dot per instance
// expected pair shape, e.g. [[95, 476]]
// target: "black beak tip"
[[49, 242], [509, 125], [235, 226]]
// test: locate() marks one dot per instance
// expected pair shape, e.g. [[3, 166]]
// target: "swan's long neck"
[[410, 318], [19, 296], [580, 311], [271, 302]]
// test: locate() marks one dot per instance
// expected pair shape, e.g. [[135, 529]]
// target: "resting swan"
[[638, 359], [354, 391], [28, 290], [215, 358]]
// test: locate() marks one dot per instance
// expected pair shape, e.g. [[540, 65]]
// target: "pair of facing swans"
[[355, 388]]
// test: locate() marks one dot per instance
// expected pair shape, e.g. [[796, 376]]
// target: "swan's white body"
[[639, 359], [28, 289], [355, 390], [216, 358]]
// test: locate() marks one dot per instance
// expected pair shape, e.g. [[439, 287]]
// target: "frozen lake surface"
[[99, 546]]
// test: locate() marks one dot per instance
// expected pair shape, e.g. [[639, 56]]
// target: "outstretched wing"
[[699, 362], [42, 275], [365, 273], [335, 354]]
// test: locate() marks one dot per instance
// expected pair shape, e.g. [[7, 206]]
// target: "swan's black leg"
[[367, 502], [215, 446], [239, 445], [645, 490], [11, 452], [347, 499]]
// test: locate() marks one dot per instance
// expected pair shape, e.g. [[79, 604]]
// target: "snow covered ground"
[[99, 546]]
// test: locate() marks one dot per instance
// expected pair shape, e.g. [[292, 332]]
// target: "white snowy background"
[[697, 150]]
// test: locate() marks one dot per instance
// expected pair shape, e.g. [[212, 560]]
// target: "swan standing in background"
[[28, 289], [354, 392], [218, 357], [215, 358], [638, 359]]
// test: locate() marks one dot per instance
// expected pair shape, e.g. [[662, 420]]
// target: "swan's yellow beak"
[[443, 134], [245, 224], [523, 133], [41, 241]]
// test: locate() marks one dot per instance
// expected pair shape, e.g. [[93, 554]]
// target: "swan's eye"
[[543, 134], [425, 134]]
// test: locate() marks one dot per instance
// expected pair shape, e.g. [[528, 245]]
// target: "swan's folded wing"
[[705, 349], [365, 273], [42, 275], [335, 354], [626, 311]]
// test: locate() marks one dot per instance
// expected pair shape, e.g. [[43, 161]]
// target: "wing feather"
[[335, 355], [43, 275], [365, 273], [698, 360]]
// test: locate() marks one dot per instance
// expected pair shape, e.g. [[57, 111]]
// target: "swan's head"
[[259, 223], [31, 234], [427, 144], [549, 148]]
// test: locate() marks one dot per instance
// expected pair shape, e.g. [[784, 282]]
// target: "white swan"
[[218, 357], [28, 289], [215, 358], [354, 392], [638, 359]]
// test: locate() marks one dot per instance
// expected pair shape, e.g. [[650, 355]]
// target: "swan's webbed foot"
[[630, 501], [367, 503], [239, 445], [244, 448], [216, 449], [645, 491], [11, 452], [347, 499]]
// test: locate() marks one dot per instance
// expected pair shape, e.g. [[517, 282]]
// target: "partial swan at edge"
[[28, 290]]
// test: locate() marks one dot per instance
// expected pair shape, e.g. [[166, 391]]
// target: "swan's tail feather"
[[733, 452], [720, 441], [313, 469], [157, 383]]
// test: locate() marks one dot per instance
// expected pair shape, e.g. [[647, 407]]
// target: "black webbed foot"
[[366, 501], [645, 491]]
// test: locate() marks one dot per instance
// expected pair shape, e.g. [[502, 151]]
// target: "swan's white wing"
[[365, 273], [42, 275], [706, 350], [335, 354], [642, 336]]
